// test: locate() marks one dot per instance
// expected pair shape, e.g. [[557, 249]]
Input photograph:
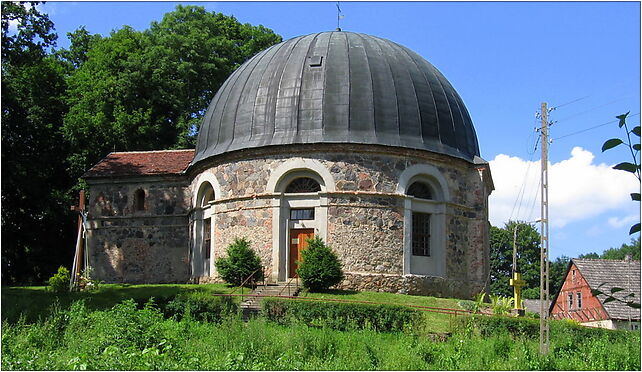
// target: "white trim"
[[300, 167], [426, 173], [200, 214], [202, 178], [281, 204], [435, 264]]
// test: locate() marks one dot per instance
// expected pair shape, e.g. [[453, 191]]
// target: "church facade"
[[341, 135]]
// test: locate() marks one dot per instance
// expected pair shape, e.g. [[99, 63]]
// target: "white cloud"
[[578, 190], [624, 221]]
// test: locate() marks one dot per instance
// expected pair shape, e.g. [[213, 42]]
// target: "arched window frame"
[[435, 209], [204, 217]]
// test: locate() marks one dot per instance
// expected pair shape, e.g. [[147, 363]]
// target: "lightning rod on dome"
[[339, 17]]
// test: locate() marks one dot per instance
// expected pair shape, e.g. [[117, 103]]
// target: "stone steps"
[[252, 305]]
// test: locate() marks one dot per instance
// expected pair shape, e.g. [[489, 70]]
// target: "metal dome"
[[337, 87]]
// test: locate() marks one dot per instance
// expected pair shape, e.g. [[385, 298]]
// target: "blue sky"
[[504, 59]]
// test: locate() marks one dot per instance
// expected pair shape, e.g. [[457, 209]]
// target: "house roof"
[[607, 274], [141, 163]]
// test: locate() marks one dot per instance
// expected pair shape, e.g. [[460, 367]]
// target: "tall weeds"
[[128, 337]]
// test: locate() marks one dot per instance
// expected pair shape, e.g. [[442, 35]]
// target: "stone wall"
[[251, 219], [367, 233], [126, 245], [365, 214], [365, 217]]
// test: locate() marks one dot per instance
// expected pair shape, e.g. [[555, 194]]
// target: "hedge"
[[341, 316], [529, 328]]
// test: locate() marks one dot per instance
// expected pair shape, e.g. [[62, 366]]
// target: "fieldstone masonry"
[[365, 219]]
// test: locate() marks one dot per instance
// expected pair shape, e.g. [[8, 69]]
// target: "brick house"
[[576, 301]]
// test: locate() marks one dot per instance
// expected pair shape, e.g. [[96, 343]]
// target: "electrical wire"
[[593, 108], [591, 128], [568, 103], [532, 208], [520, 193]]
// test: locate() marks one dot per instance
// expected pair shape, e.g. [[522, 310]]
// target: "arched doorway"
[[300, 211]]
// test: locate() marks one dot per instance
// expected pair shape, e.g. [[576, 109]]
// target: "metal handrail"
[[246, 280], [287, 285]]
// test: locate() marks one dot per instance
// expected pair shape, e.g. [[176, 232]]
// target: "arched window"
[[139, 200], [425, 229], [207, 197], [303, 184], [420, 221], [420, 190]]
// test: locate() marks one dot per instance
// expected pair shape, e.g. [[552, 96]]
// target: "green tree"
[[632, 249], [37, 227], [631, 167], [241, 263], [501, 256], [319, 267], [556, 272], [149, 90]]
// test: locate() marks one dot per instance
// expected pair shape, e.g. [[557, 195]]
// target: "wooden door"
[[298, 242]]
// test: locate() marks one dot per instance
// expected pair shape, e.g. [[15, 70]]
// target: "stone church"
[[341, 135]]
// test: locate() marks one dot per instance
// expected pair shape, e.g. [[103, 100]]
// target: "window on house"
[[139, 200], [573, 274], [303, 184], [570, 301], [420, 190], [579, 300], [302, 214], [420, 234], [207, 238]]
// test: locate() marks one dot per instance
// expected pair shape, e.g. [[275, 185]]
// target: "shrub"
[[319, 268], [341, 316], [60, 281], [501, 305], [240, 263], [200, 306]]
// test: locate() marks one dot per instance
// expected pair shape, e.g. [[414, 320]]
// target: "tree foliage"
[[36, 222], [319, 267], [148, 90], [63, 110], [501, 256], [632, 249], [241, 263]]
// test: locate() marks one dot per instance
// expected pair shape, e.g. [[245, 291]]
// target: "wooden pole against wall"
[[78, 256]]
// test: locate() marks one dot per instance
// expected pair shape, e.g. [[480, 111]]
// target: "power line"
[[590, 128], [522, 188], [568, 103], [593, 108]]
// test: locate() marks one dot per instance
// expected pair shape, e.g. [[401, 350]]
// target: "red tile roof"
[[141, 163]]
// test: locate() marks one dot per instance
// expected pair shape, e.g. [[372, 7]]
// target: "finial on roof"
[[339, 17]]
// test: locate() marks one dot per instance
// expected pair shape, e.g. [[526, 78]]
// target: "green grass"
[[35, 302], [128, 338], [436, 322]]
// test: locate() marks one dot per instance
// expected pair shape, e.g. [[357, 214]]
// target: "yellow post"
[[517, 283]]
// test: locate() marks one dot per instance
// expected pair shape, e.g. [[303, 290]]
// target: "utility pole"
[[543, 281]]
